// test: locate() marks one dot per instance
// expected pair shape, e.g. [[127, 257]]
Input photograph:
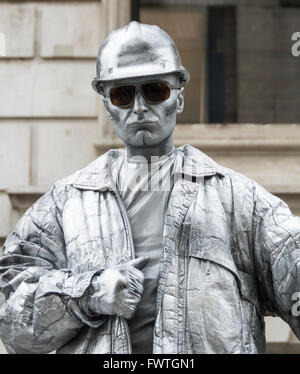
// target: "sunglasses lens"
[[153, 92], [122, 96], [156, 92]]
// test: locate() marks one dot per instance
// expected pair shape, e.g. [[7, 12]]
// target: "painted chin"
[[143, 137]]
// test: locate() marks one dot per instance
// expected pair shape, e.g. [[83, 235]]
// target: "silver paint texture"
[[230, 255], [137, 50]]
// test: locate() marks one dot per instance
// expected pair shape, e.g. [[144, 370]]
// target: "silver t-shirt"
[[145, 187]]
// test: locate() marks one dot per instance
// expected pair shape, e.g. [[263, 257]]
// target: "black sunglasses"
[[153, 92]]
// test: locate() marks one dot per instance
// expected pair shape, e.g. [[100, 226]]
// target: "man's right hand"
[[116, 291]]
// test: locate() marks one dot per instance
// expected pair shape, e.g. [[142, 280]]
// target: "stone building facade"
[[52, 122]]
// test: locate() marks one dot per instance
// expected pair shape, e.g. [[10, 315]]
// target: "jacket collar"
[[97, 176]]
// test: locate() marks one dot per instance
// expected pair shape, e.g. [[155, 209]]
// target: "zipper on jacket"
[[127, 222], [184, 244], [184, 314], [128, 228]]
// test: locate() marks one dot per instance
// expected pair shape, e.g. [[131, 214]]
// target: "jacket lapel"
[[97, 175]]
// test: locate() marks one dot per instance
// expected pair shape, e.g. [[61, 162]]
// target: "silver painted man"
[[104, 264]]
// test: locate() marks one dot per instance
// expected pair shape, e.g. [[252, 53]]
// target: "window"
[[222, 65], [205, 38], [186, 25]]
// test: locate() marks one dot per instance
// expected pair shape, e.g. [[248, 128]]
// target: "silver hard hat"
[[137, 50]]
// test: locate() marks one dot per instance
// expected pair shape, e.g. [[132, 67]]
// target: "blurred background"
[[242, 105]]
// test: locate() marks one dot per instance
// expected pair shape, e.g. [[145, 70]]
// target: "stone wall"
[[48, 111]]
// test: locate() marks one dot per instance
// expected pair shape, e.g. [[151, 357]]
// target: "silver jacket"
[[230, 255]]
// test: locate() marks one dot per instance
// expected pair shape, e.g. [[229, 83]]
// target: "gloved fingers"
[[137, 274], [133, 300], [135, 281], [117, 291], [128, 307], [128, 314]]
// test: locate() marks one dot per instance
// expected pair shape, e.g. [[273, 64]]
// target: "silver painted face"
[[143, 124]]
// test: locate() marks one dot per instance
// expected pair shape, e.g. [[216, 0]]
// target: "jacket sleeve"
[[277, 256], [40, 312]]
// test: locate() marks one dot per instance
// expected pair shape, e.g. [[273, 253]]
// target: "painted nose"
[[139, 104]]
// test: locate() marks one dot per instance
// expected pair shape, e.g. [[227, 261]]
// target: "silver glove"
[[116, 291]]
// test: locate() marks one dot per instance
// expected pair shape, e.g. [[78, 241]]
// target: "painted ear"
[[105, 102], [180, 101]]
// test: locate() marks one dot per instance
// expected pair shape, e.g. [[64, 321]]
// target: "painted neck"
[[161, 149]]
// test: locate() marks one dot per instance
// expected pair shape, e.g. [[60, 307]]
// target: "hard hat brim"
[[144, 71]]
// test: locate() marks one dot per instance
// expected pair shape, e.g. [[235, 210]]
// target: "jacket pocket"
[[215, 315]]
